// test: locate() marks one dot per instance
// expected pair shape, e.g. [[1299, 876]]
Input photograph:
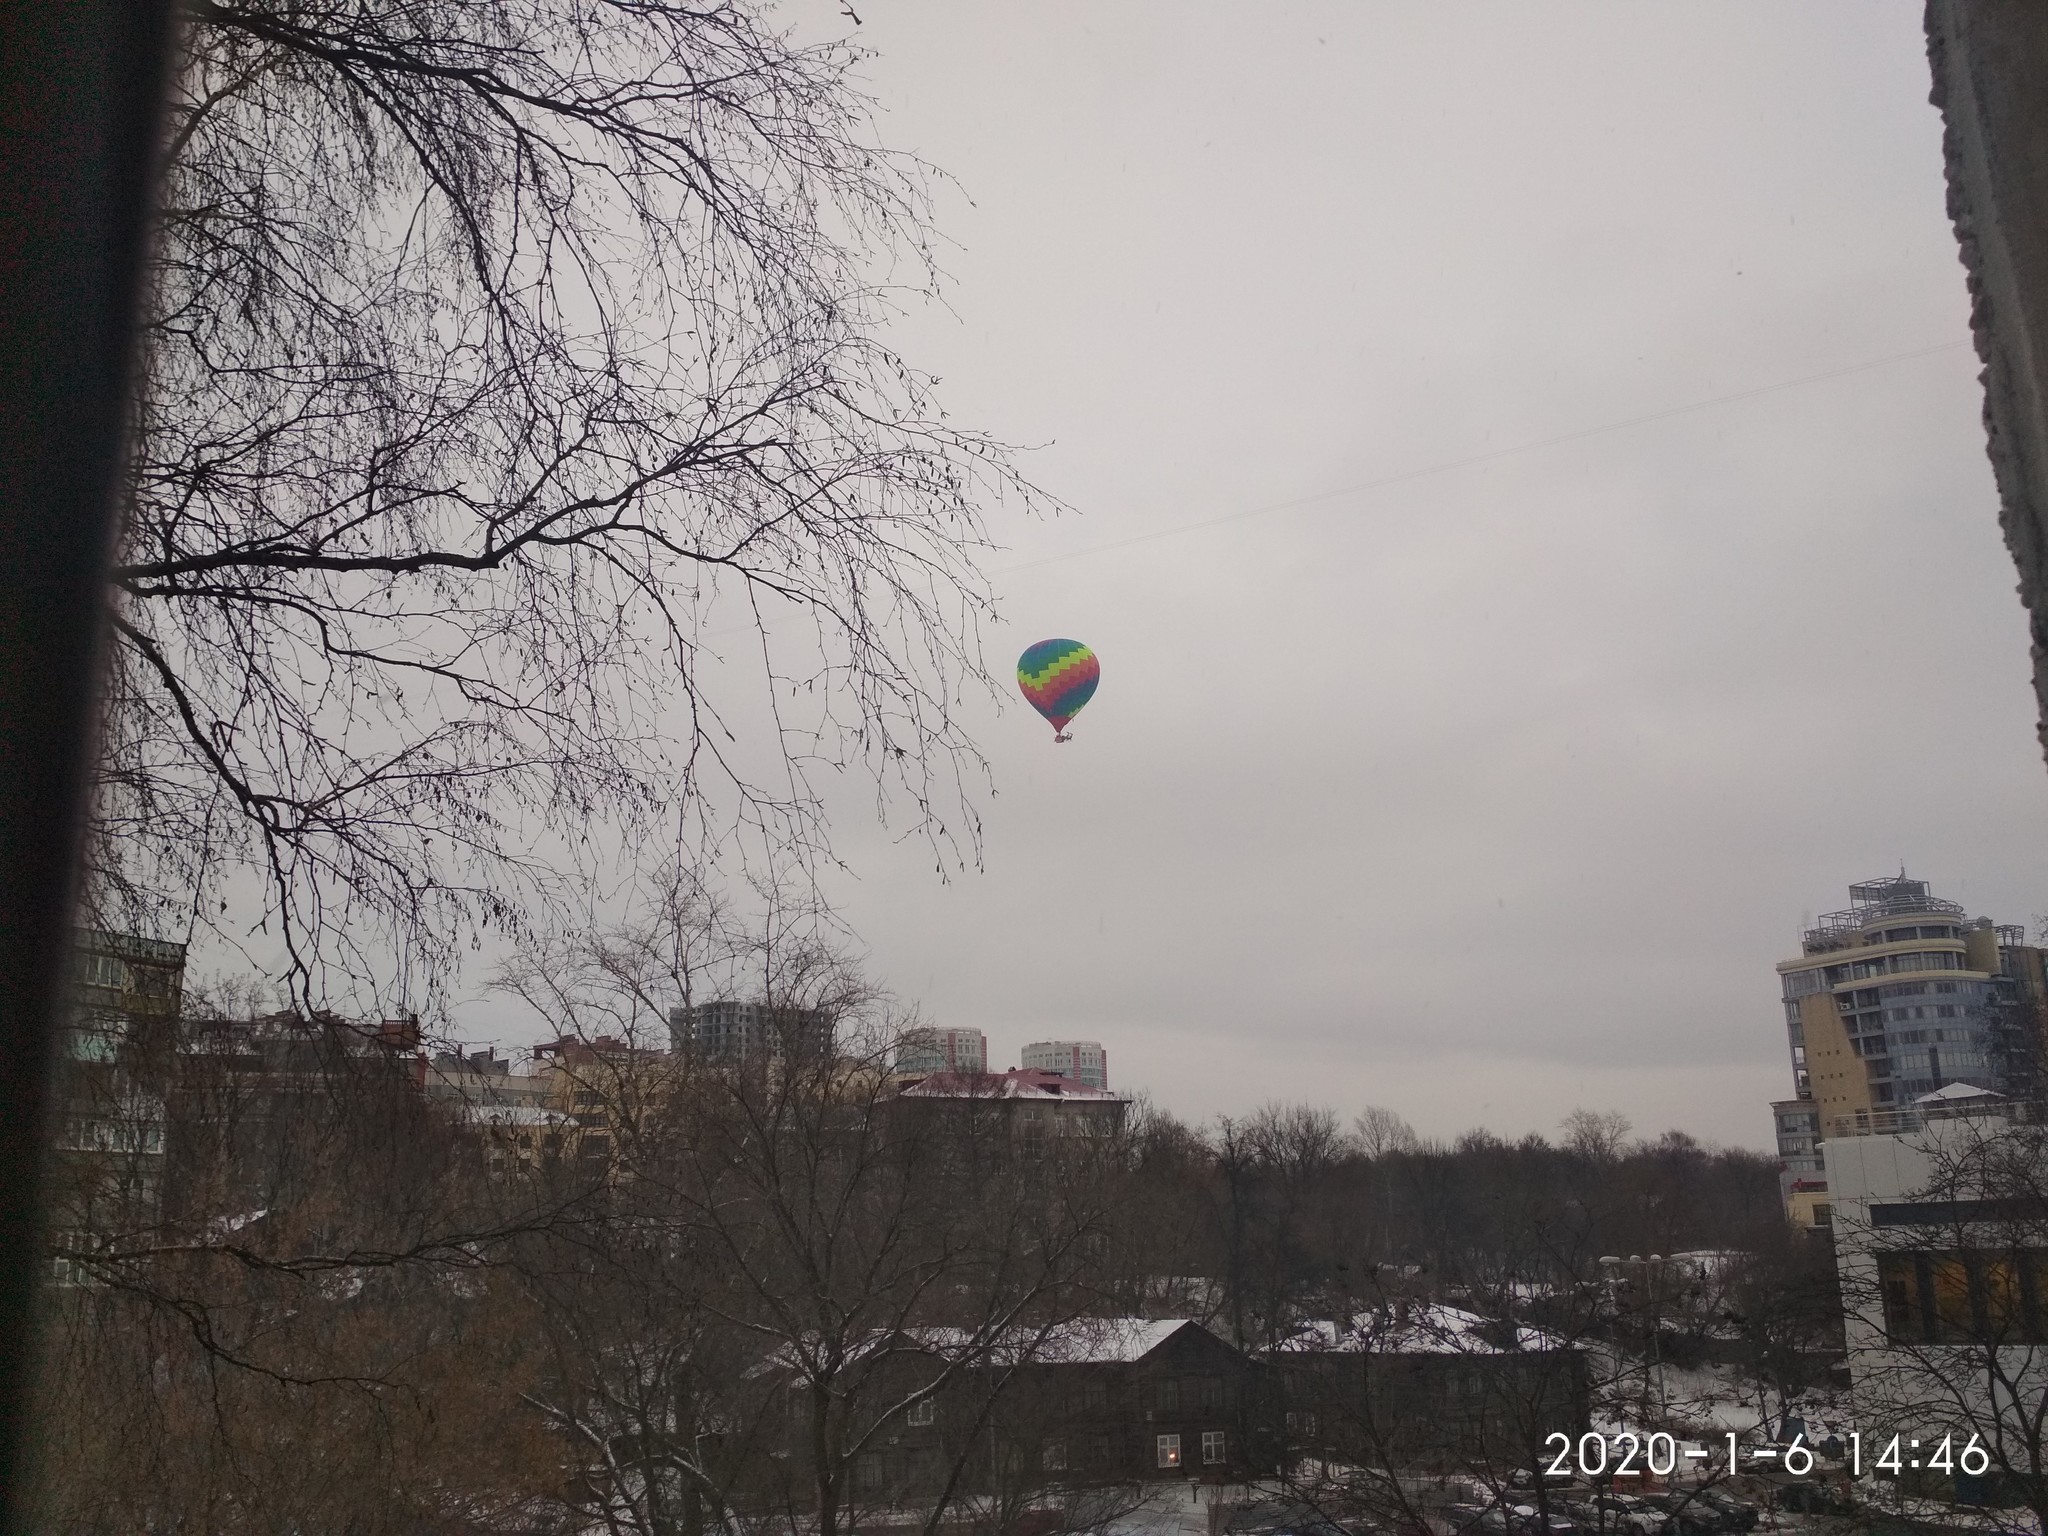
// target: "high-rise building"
[[1897, 996], [732, 1031], [925, 1050], [118, 1040], [1085, 1061]]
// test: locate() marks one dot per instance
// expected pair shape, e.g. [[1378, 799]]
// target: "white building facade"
[[1941, 1246]]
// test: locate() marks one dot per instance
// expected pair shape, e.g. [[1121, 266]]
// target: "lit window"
[[1169, 1450], [1212, 1447]]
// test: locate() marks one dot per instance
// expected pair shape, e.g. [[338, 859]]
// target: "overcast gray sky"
[[1653, 594]]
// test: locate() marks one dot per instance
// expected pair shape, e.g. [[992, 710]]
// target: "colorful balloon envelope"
[[1058, 677]]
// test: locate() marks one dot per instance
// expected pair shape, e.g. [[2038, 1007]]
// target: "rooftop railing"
[[1835, 930], [1915, 1117]]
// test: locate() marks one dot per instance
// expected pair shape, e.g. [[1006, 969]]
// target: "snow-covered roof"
[[1082, 1341], [1424, 1328], [1948, 1093], [1108, 1340], [1017, 1083], [513, 1114]]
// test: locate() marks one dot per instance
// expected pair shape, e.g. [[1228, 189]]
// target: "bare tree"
[[791, 1259], [307, 1323], [1945, 1289], [1785, 1304], [1378, 1131], [1597, 1134], [520, 472]]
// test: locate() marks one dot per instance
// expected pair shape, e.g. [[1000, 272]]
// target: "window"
[[1208, 1393], [1169, 1450], [1054, 1457], [1949, 1293], [1095, 1396], [922, 1412], [1212, 1447], [1301, 1422], [1979, 1295], [1168, 1396], [69, 1272]]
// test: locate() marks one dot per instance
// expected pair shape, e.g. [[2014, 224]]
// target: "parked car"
[[1684, 1515], [1477, 1520], [1813, 1499], [1618, 1514], [1736, 1515], [1530, 1521]]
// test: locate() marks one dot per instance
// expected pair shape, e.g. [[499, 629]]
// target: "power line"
[[1481, 458]]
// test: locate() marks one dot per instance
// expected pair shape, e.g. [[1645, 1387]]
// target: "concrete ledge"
[[1990, 66]]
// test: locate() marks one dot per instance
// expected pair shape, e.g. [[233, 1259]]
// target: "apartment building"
[[1898, 995], [726, 1030], [107, 1147], [1085, 1061], [922, 1051], [596, 1087]]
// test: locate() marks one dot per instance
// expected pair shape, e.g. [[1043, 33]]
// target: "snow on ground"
[[1173, 1510]]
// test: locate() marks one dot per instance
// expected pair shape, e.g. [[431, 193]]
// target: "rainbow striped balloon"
[[1058, 677]]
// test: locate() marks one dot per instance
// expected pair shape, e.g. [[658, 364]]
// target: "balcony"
[[1906, 1119]]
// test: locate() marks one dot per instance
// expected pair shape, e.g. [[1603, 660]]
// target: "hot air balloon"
[[1058, 677]]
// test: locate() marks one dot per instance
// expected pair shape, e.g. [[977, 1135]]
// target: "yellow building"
[[1893, 998]]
